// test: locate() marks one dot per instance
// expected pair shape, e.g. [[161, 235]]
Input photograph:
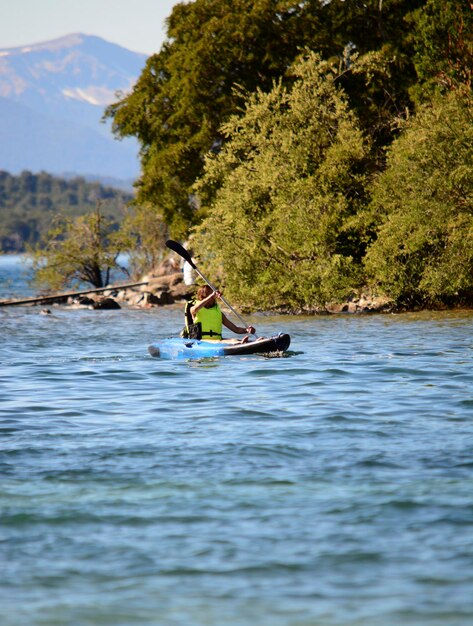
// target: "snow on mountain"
[[53, 95]]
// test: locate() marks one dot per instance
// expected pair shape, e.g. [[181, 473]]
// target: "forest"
[[29, 204], [311, 150]]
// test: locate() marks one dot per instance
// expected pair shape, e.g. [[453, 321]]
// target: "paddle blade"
[[180, 250]]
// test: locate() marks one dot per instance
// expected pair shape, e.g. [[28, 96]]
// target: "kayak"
[[177, 348]]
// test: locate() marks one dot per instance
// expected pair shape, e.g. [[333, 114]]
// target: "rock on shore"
[[166, 286], [161, 290], [363, 304]]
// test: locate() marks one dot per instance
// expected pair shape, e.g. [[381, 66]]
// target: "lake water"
[[331, 487]]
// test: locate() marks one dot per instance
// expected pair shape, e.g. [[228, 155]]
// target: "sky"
[[134, 24]]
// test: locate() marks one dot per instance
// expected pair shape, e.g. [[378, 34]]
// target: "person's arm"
[[239, 330]]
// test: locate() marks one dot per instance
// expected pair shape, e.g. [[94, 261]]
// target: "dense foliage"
[[186, 91], [29, 202], [442, 34], [423, 207], [288, 185], [316, 148], [79, 250]]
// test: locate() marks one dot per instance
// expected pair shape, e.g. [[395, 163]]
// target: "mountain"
[[52, 98]]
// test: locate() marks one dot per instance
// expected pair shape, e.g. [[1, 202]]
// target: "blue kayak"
[[177, 348]]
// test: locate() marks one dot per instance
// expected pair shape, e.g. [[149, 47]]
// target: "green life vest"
[[210, 321]]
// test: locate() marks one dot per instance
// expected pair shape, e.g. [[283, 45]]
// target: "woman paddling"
[[208, 317]]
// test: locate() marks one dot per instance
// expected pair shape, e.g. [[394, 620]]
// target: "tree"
[[379, 33], [423, 207], [443, 44], [186, 91], [148, 237], [28, 203], [79, 250], [281, 195]]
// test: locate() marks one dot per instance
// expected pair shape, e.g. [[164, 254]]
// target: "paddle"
[[181, 251]]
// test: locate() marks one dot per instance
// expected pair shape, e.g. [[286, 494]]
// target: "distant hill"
[[29, 202], [52, 98]]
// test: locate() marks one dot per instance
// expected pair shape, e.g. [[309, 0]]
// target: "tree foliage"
[[186, 92], [146, 231], [423, 206], [442, 35], [377, 32], [29, 202], [79, 250], [282, 194], [284, 111]]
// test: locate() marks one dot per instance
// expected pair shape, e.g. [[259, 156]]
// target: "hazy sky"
[[134, 24]]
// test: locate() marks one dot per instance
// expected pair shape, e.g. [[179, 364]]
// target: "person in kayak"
[[208, 317]]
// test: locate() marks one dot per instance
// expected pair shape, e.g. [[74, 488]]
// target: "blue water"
[[15, 277], [332, 487]]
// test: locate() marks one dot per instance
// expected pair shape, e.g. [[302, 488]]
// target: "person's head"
[[203, 292]]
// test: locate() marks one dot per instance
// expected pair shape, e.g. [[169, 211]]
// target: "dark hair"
[[203, 292]]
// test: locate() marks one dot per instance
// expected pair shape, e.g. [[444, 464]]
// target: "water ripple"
[[333, 486]]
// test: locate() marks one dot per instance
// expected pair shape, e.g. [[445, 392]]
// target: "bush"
[[281, 195], [78, 250], [423, 207]]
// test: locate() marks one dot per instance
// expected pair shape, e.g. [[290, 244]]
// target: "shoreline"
[[165, 287], [169, 290]]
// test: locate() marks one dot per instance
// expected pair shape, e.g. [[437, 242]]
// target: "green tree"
[[423, 207], [29, 202], [282, 193], [379, 33], [79, 250], [186, 91], [442, 35], [147, 236]]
